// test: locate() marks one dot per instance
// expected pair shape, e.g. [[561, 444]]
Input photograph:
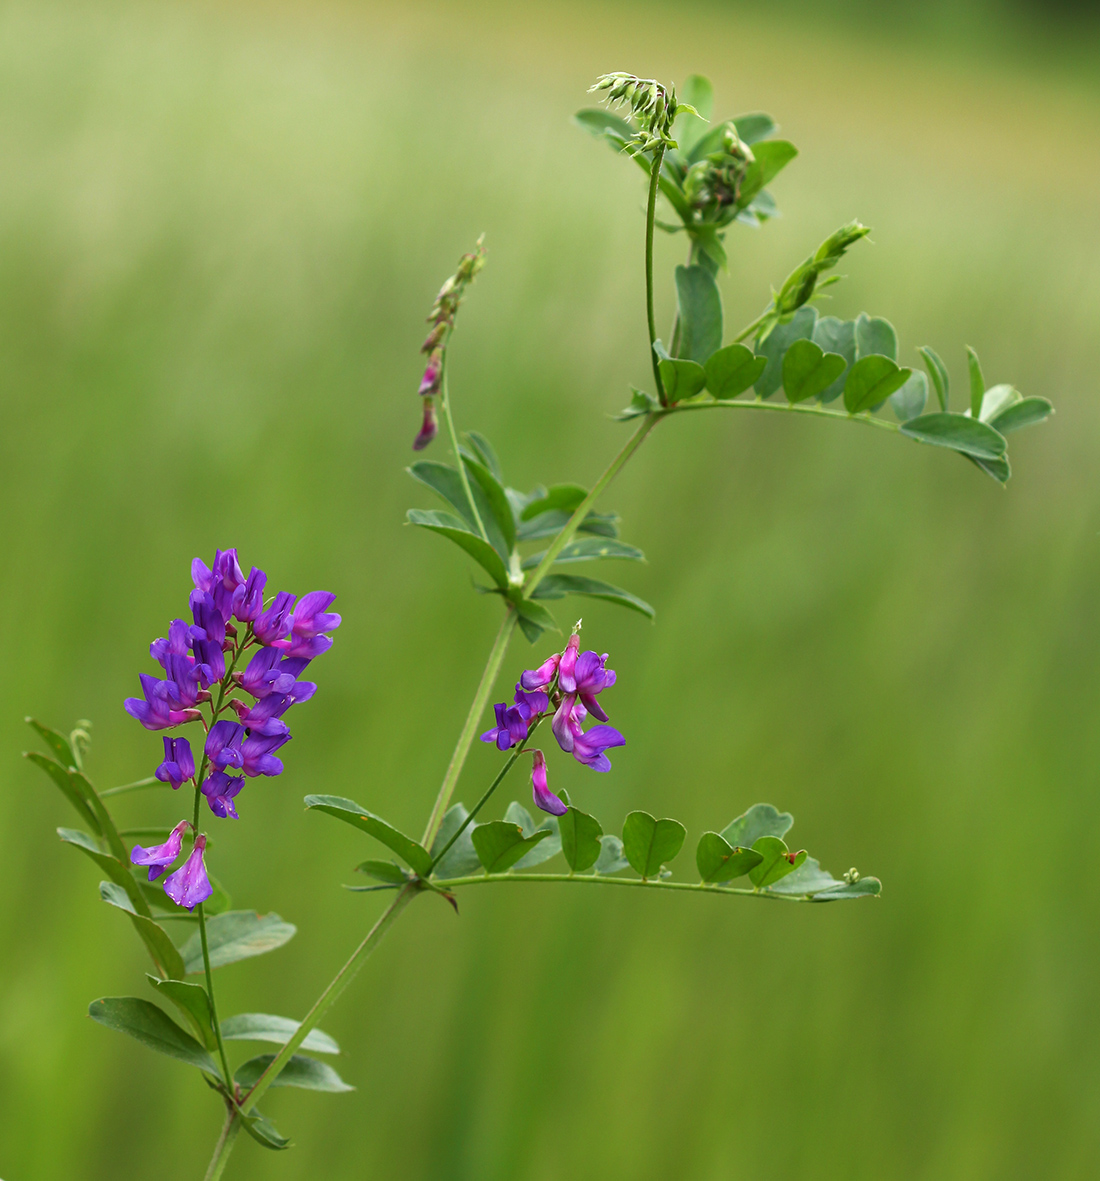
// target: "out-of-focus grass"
[[220, 228]]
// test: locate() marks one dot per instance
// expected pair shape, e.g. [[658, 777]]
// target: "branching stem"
[[466, 737], [459, 463], [224, 1146], [780, 408]]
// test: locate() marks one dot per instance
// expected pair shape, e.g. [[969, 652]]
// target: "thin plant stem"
[[466, 737], [335, 987], [224, 1146], [601, 880], [651, 208], [210, 994], [781, 408], [486, 797], [446, 400], [573, 524]]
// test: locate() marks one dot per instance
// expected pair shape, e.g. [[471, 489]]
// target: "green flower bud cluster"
[[714, 183], [652, 104], [450, 294]]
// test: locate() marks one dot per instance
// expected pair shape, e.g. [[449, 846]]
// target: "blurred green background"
[[221, 227]]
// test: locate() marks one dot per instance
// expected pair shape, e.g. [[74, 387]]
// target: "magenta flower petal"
[[539, 678], [189, 885], [159, 857], [544, 798]]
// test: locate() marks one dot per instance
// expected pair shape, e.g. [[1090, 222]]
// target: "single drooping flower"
[[159, 857], [189, 885], [179, 763], [544, 798], [220, 790], [200, 662]]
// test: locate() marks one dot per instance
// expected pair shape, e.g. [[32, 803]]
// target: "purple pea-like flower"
[[428, 427], [223, 745], [177, 644], [156, 711], [227, 568], [265, 715], [179, 763], [513, 721], [308, 625], [160, 857], [209, 621], [189, 885], [209, 662], [588, 748], [184, 682], [568, 664], [274, 623], [544, 798], [258, 754], [220, 789], [252, 598], [539, 678], [591, 677], [267, 673]]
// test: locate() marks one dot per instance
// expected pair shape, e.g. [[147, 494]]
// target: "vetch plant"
[[233, 673]]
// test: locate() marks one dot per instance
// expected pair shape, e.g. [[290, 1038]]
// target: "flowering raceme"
[[200, 668], [570, 681]]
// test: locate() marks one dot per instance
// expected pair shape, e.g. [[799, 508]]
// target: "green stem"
[[224, 1146], [573, 524], [485, 798], [651, 209], [781, 408], [210, 994], [600, 880], [466, 737], [446, 401], [753, 326], [336, 986]]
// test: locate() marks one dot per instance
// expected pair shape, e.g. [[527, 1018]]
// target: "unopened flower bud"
[[435, 337], [433, 374], [428, 427]]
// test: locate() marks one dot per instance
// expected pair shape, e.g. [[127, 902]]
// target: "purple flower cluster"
[[571, 681], [199, 659]]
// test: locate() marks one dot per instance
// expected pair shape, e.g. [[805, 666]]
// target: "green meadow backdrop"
[[221, 226]]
